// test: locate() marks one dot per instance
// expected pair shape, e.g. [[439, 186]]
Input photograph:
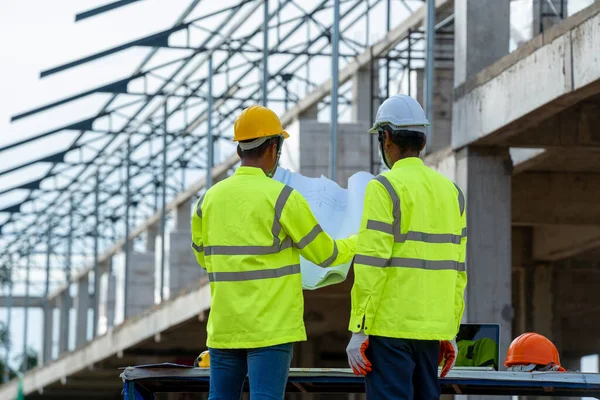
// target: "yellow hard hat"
[[203, 360], [257, 122]]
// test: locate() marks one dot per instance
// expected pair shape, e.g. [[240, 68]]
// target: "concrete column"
[[141, 278], [312, 113], [183, 216], [111, 296], [151, 234], [82, 305], [64, 306], [48, 332], [481, 35], [543, 295], [485, 178], [365, 99], [543, 14], [443, 91], [353, 149], [184, 270]]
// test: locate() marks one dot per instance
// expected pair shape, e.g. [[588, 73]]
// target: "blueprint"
[[337, 210]]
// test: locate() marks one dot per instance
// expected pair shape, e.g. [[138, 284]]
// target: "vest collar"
[[409, 161], [252, 171]]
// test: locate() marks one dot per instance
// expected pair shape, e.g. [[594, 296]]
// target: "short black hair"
[[256, 152], [406, 139]]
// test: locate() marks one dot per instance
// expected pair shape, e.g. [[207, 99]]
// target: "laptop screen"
[[478, 345]]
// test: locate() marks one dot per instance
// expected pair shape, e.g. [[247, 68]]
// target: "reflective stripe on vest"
[[394, 228], [199, 249], [277, 245], [461, 199], [253, 275], [434, 265]]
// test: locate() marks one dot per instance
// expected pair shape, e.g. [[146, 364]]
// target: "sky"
[[39, 34]]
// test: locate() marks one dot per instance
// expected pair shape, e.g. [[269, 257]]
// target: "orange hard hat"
[[532, 348], [257, 122]]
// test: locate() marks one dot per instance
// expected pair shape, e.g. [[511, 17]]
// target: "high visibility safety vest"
[[409, 269], [248, 232]]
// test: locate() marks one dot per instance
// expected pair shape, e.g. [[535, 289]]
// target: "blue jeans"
[[402, 369], [267, 369]]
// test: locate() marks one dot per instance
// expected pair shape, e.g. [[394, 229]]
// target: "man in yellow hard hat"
[[409, 269], [248, 232]]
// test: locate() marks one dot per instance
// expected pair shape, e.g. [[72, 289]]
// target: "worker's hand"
[[356, 354], [448, 353]]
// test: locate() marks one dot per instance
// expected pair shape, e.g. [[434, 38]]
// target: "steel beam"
[[209, 133], [429, 70], [334, 90]]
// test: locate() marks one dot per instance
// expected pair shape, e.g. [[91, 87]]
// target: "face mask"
[[279, 146], [382, 150]]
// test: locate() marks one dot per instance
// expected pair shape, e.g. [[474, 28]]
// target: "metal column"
[[48, 310], [127, 240], [96, 249], [430, 65], [163, 213], [334, 89], [265, 78], [387, 58], [26, 310], [65, 309], [8, 318], [209, 134]]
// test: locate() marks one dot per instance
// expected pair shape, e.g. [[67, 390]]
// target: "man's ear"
[[387, 138], [424, 142], [274, 148]]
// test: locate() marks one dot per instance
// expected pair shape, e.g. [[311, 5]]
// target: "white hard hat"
[[401, 111]]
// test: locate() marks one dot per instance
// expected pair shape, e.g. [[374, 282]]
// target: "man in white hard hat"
[[409, 269]]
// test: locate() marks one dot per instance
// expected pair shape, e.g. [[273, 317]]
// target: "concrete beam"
[[444, 160], [551, 243], [116, 341], [576, 126], [556, 198], [512, 95]]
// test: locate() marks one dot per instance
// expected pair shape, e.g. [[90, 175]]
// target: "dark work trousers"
[[402, 369]]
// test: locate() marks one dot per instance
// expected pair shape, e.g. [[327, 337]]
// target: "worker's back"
[[244, 245], [423, 292]]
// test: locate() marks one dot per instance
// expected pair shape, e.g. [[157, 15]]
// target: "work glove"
[[356, 354], [448, 353]]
